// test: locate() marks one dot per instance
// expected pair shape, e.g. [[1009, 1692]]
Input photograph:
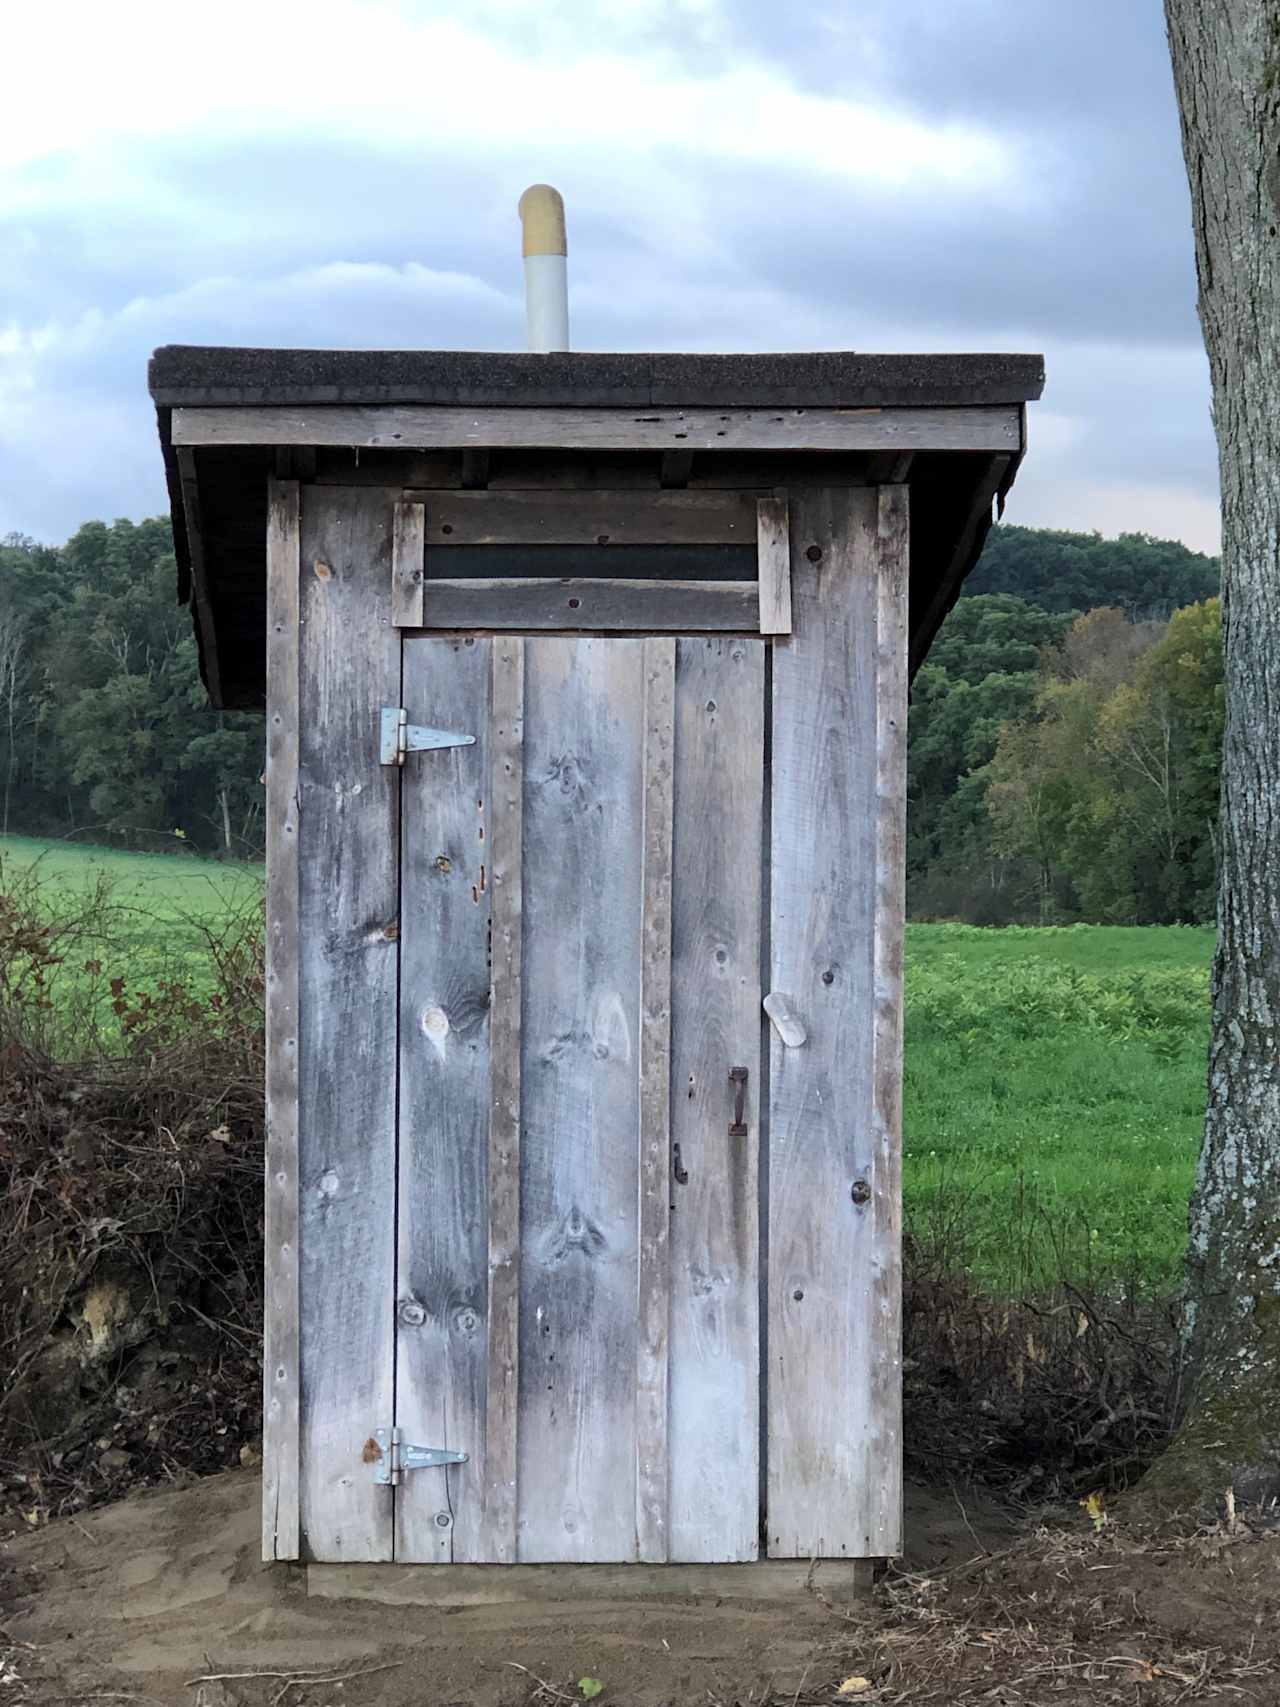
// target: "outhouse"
[[585, 680]]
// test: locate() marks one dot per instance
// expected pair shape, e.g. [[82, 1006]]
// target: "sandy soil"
[[141, 1600], [137, 1599]]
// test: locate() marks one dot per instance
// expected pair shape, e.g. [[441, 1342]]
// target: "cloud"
[[985, 174], [77, 433]]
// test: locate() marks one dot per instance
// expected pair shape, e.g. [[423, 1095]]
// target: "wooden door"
[[577, 1226], [505, 987]]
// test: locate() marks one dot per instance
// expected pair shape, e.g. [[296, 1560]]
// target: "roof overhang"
[[952, 427]]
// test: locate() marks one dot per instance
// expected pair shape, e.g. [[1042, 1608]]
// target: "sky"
[[739, 175]]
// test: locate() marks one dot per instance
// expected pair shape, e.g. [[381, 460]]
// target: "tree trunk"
[[1226, 62], [226, 821]]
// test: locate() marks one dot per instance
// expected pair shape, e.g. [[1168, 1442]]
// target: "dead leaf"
[[854, 1685]]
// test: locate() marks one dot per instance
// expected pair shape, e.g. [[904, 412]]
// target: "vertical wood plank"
[[715, 1390], [885, 1209], [280, 1312], [443, 1236], [773, 554], [655, 1106], [580, 1090], [506, 793], [408, 550], [348, 920], [832, 1490]]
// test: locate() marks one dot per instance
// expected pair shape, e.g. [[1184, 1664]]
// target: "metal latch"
[[399, 737], [395, 1456]]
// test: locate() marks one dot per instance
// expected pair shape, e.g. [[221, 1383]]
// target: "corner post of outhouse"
[[280, 1424]]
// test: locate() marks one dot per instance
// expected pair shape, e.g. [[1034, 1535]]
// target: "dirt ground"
[[142, 1600]]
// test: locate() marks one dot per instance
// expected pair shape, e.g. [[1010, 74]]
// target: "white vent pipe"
[[546, 268]]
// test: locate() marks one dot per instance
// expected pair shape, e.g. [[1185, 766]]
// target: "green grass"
[[1054, 1078], [147, 910], [1053, 1098]]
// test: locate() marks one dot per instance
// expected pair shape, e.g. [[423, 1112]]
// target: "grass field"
[[144, 913], [1054, 1078], [1055, 1084]]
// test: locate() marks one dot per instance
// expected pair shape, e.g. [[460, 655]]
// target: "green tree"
[[1108, 784], [1159, 740], [1061, 571], [111, 734], [980, 675]]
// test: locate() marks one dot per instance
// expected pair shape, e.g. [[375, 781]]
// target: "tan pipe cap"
[[542, 215]]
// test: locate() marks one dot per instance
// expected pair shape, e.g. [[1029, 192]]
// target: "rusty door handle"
[[738, 1079]]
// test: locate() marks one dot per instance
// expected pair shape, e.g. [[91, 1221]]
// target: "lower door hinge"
[[396, 1455], [397, 736]]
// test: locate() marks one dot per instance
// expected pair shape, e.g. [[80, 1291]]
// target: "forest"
[[1063, 750]]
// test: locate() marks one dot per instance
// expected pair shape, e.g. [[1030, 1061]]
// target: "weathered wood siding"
[[521, 974], [833, 1355], [773, 553], [348, 934], [394, 426], [715, 1025], [280, 1349], [506, 1006], [583, 819], [442, 1286], [654, 1131], [573, 603]]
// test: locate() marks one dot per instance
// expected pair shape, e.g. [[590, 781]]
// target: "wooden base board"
[[839, 1580]]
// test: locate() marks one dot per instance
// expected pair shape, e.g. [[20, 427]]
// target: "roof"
[[185, 375], [220, 518]]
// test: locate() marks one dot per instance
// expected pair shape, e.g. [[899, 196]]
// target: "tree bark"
[[1226, 64]]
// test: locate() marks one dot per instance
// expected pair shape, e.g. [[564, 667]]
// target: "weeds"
[[130, 1174]]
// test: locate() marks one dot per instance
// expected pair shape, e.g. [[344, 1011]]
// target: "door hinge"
[[399, 736], [396, 1455]]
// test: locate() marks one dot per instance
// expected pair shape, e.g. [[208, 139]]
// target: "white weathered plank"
[[591, 517], [280, 1461], [882, 1214], [414, 426], [608, 604], [407, 562], [714, 1431], [580, 1096], [652, 1350], [831, 1489], [441, 1303], [348, 922], [773, 550], [506, 812]]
